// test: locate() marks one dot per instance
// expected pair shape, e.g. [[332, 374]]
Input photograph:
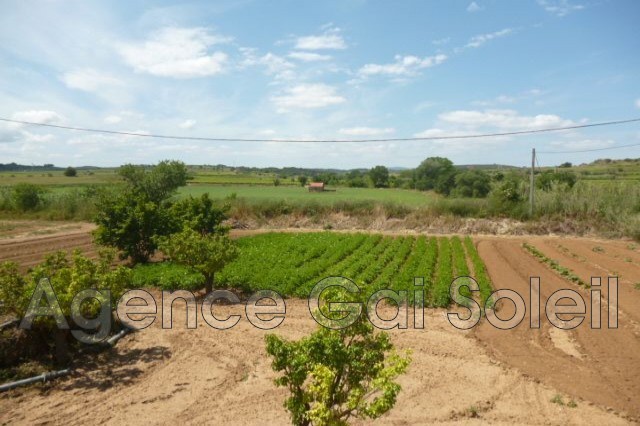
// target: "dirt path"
[[203, 376], [602, 366]]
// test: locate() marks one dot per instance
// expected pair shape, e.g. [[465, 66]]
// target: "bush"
[[67, 278], [70, 172], [333, 375], [27, 196], [473, 184], [549, 179]]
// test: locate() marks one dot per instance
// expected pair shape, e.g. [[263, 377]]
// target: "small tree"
[[207, 254], [129, 219], [70, 172], [334, 375], [302, 180], [435, 173], [379, 176], [130, 223]]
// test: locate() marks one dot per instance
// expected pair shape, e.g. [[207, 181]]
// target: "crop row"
[[293, 263]]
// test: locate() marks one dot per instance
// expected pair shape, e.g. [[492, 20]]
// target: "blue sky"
[[317, 70]]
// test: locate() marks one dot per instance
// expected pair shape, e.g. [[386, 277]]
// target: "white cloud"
[[37, 116], [89, 80], [473, 7], [367, 131], [403, 65], [187, 124], [309, 56], [559, 7], [112, 119], [274, 64], [638, 103], [177, 52], [480, 39], [503, 120], [330, 39], [307, 96]]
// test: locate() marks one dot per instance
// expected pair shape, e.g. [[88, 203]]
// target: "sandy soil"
[[504, 377], [202, 376], [607, 372]]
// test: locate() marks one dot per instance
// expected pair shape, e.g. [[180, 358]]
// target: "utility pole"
[[531, 181]]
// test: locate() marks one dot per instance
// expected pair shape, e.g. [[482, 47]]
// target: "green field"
[[292, 264], [297, 194]]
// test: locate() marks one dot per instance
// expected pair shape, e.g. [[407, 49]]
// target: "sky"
[[349, 69]]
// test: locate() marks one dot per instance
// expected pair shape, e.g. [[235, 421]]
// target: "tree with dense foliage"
[[472, 183], [379, 176], [355, 179], [302, 179], [335, 375], [207, 254], [129, 219], [435, 173], [201, 214], [158, 183], [70, 172]]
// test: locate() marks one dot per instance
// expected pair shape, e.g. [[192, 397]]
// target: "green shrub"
[[333, 375], [206, 254], [27, 196]]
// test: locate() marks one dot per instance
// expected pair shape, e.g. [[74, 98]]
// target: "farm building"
[[316, 187]]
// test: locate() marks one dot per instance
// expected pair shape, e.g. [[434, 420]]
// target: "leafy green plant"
[[555, 266], [166, 276], [27, 196], [335, 375], [130, 219], [67, 278], [206, 254]]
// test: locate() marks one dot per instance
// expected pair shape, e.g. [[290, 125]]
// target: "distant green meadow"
[[298, 194]]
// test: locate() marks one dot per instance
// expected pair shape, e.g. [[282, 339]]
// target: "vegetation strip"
[[555, 266]]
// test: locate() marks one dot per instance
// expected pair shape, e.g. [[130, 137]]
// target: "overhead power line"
[[590, 150], [425, 138]]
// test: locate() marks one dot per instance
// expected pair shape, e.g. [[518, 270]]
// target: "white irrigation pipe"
[[41, 378]]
